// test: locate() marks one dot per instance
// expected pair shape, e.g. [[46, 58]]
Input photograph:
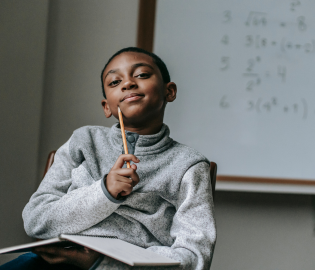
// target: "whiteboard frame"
[[265, 185]]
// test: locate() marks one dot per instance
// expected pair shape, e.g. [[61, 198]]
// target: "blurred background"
[[51, 56]]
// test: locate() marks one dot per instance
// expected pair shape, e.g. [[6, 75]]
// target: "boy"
[[163, 203]]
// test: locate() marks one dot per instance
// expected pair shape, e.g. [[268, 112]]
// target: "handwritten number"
[[223, 103], [274, 101], [225, 39], [294, 4], [264, 42], [251, 105], [227, 16], [256, 18], [301, 23], [250, 85], [249, 40], [267, 105], [225, 62], [282, 71], [251, 63]]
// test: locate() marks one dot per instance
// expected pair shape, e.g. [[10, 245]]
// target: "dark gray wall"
[[264, 231], [41, 104], [22, 53]]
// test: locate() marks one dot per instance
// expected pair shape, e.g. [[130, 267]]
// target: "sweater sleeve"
[[193, 227], [68, 200]]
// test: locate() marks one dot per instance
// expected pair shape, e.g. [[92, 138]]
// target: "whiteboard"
[[245, 72]]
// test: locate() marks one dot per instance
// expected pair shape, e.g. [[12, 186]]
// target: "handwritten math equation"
[[255, 71], [300, 108]]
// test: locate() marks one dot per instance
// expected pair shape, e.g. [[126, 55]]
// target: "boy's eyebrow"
[[133, 66], [142, 65], [111, 71]]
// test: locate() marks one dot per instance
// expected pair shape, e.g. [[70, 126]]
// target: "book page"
[[28, 247], [121, 250]]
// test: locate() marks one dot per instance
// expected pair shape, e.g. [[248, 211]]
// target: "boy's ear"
[[106, 109], [171, 91]]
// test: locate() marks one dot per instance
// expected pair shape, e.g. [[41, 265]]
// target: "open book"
[[115, 248]]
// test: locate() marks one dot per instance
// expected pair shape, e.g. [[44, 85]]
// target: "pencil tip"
[[119, 109]]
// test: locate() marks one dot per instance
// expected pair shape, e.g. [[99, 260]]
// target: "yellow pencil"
[[122, 127]]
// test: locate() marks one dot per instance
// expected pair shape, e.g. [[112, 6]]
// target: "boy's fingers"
[[50, 250], [124, 171], [131, 181], [52, 259], [133, 178], [126, 189], [50, 255], [54, 255], [127, 172], [122, 158], [56, 251], [123, 179]]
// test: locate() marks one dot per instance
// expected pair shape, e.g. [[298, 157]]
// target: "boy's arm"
[[51, 210], [193, 226]]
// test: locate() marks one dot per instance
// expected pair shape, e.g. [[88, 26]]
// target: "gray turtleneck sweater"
[[170, 211]]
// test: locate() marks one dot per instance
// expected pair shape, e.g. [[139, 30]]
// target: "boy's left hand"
[[83, 258]]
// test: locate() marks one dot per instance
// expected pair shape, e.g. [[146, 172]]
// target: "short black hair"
[[157, 60]]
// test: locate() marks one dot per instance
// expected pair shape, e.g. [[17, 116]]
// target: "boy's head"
[[157, 60], [139, 83]]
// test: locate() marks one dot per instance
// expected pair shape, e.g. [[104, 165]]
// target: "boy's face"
[[133, 82]]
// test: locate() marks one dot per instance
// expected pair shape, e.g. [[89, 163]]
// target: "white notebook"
[[114, 248]]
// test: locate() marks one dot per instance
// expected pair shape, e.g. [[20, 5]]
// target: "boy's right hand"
[[120, 181]]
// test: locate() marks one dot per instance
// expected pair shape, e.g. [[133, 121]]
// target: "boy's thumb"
[[134, 167]]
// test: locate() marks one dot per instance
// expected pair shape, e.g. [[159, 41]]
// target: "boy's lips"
[[132, 96]]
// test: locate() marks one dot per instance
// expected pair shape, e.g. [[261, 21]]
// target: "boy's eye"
[[113, 83], [143, 75]]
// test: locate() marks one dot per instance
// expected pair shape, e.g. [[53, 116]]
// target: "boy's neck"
[[153, 128]]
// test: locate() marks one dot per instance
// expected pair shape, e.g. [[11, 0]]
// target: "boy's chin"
[[131, 112], [134, 116]]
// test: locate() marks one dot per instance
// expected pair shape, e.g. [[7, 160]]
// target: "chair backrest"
[[50, 161], [213, 176], [213, 170]]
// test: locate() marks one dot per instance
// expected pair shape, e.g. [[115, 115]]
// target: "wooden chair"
[[213, 176], [50, 161], [213, 170]]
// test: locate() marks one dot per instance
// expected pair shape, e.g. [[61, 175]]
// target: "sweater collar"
[[145, 144]]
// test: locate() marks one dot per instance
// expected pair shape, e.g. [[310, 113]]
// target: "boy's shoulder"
[[86, 140], [92, 129], [88, 134], [184, 152]]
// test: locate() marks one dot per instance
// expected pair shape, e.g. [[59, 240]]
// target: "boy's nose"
[[129, 85]]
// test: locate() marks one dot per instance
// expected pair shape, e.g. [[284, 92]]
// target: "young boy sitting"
[[164, 203]]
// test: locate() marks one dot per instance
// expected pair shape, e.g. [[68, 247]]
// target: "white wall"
[[22, 53]]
